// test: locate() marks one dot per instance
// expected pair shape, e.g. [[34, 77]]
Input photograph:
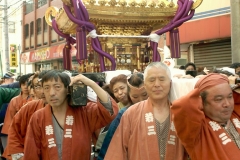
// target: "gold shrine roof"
[[136, 16]]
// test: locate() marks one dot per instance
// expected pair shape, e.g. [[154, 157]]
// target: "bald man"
[[207, 121]]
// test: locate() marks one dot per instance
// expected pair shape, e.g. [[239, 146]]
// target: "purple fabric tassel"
[[175, 43], [183, 14], [84, 21], [81, 43], [67, 58], [156, 56]]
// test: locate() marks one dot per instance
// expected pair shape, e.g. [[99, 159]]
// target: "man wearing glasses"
[[17, 130]]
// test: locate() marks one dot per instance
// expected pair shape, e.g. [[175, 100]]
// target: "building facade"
[[42, 47], [11, 43], [206, 38]]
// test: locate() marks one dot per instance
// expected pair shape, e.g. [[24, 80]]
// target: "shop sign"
[[54, 52], [13, 55], [40, 55]]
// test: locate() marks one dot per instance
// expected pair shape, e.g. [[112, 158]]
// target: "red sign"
[[49, 53]]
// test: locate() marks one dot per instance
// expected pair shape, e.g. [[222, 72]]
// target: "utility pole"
[[19, 50], [5, 21], [1, 70], [235, 30]]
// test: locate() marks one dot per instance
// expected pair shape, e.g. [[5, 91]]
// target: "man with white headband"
[[207, 121]]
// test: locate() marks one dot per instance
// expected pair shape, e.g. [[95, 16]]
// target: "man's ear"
[[201, 104]]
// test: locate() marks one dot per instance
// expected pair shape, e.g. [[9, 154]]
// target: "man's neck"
[[60, 109], [225, 125], [24, 95], [160, 103], [161, 109]]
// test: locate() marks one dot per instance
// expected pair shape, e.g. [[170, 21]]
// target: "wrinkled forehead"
[[220, 89], [156, 72], [52, 80]]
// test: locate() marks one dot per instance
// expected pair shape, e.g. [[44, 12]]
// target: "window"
[[41, 3], [39, 26], [31, 28], [11, 27], [26, 30], [29, 6], [61, 38], [45, 25]]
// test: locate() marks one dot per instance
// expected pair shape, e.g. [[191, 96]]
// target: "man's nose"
[[52, 91], [227, 102], [120, 91], [157, 83]]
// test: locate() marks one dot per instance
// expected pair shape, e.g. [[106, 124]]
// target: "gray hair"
[[157, 65], [161, 65]]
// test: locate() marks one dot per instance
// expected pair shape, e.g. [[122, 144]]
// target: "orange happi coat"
[[17, 130], [80, 124], [13, 107], [202, 137], [136, 137]]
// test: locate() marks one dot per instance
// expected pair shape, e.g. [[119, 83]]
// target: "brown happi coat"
[[203, 138], [79, 126], [13, 107], [18, 129], [136, 137]]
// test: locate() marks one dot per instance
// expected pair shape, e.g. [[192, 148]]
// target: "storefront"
[[49, 58], [213, 55]]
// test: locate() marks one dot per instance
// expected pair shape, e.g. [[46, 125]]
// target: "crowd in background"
[[115, 120]]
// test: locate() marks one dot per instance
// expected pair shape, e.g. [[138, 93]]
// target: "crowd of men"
[[132, 118]]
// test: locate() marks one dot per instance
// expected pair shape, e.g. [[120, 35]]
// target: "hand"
[[135, 71], [232, 79], [81, 79]]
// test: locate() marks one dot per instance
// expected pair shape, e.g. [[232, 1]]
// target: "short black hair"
[[235, 65], [136, 80], [182, 67], [55, 74], [223, 72], [41, 74], [24, 78], [190, 64]]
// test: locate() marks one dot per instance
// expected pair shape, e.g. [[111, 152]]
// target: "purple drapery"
[[175, 43], [182, 15], [67, 58], [82, 19]]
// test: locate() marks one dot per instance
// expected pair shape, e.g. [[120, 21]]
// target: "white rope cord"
[[122, 36], [153, 37], [92, 34]]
